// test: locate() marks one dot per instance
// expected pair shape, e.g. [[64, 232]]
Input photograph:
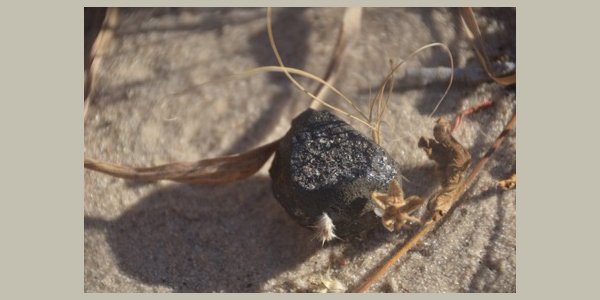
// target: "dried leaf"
[[475, 36], [214, 170], [394, 210], [453, 160], [412, 204]]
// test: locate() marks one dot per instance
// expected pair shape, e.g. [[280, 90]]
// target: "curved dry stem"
[[212, 171], [299, 86], [380, 110], [476, 38], [451, 66], [390, 76], [377, 99], [288, 71], [262, 70]]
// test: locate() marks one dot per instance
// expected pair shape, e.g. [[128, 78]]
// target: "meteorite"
[[325, 171]]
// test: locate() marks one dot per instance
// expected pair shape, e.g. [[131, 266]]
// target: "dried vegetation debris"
[[398, 276]]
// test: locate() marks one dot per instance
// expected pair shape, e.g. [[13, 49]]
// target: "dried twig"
[[486, 157], [428, 225], [420, 77], [469, 111]]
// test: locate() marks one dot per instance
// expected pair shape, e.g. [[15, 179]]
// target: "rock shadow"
[[193, 238]]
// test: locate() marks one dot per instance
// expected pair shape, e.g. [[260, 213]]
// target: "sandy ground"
[[170, 237]]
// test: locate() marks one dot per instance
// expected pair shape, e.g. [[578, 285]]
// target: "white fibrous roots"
[[325, 229]]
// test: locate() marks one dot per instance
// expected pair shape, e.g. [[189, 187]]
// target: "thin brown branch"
[[470, 111], [397, 256], [511, 124]]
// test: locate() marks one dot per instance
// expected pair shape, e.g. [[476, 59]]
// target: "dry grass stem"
[[474, 35], [348, 35], [299, 86]]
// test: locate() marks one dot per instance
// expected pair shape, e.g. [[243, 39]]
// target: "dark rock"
[[323, 165]]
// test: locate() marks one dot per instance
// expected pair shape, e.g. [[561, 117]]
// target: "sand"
[[171, 237]]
